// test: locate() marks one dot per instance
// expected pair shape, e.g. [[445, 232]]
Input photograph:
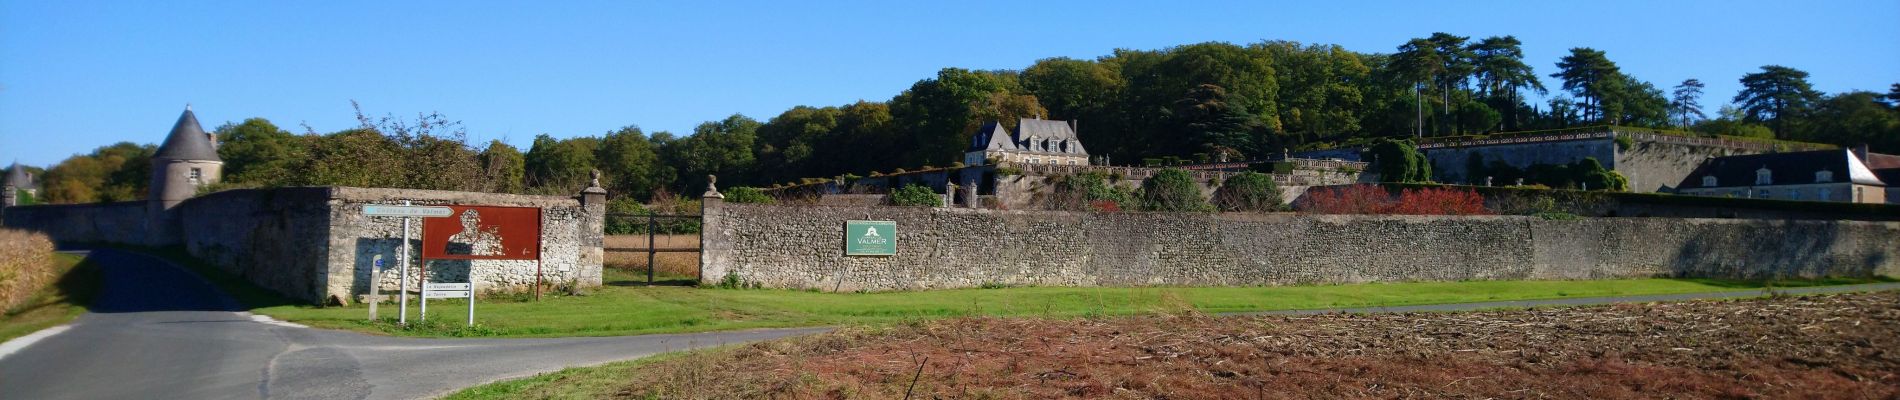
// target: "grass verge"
[[57, 303], [626, 305]]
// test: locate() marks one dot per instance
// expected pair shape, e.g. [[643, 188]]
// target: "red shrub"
[[1354, 199], [1372, 199], [1105, 206], [1439, 201]]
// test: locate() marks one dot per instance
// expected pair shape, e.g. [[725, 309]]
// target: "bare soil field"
[[1841, 346], [669, 264]]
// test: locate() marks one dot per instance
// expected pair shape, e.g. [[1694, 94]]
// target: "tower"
[[186, 161], [18, 180]]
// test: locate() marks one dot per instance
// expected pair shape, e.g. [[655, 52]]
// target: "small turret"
[[185, 162]]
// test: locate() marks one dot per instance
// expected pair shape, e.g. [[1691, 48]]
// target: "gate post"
[[715, 243], [593, 231]]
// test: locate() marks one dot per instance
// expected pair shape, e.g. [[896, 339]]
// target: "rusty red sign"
[[483, 233]]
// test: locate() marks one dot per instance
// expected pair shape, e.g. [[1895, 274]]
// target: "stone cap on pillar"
[[593, 187], [712, 189]]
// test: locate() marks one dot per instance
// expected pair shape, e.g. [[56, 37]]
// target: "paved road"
[[159, 332]]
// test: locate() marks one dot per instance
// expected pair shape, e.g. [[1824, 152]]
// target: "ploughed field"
[[1840, 346], [672, 265]]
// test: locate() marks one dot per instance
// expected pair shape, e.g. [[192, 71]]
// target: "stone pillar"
[[715, 239], [593, 232]]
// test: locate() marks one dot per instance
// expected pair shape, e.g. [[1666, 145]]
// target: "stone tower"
[[186, 161], [17, 180]]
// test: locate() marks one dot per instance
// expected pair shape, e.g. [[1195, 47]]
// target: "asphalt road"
[[159, 332]]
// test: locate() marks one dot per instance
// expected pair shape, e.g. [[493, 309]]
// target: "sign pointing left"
[[386, 210]]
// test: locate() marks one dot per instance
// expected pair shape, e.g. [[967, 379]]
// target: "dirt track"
[[1845, 346]]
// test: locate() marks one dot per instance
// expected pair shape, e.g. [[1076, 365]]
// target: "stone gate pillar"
[[593, 231], [715, 239]]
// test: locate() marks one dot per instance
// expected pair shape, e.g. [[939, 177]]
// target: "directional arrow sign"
[[390, 210]]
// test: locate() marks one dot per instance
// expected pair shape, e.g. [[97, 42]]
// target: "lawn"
[[628, 306], [57, 303]]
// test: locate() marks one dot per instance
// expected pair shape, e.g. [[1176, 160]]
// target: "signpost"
[[450, 291], [404, 211], [870, 238]]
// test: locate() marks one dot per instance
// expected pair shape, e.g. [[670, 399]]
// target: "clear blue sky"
[[78, 75]]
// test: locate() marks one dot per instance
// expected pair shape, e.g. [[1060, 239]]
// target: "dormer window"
[[1823, 176], [1708, 181], [1764, 177]]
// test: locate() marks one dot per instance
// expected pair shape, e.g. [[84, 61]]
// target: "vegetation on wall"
[[1587, 173], [915, 195], [747, 195], [1172, 189], [1248, 191]]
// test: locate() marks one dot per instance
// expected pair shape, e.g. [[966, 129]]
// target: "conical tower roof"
[[16, 177], [187, 141]]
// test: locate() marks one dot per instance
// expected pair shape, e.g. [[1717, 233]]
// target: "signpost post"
[[870, 238], [404, 211]]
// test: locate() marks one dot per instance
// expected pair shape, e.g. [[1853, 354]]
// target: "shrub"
[[26, 266], [1090, 191], [1439, 201], [1399, 161], [1350, 199], [915, 195], [1172, 189], [1248, 191], [747, 195]]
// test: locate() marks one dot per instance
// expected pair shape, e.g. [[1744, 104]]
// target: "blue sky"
[[78, 75]]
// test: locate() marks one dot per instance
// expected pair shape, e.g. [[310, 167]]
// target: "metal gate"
[[652, 226]]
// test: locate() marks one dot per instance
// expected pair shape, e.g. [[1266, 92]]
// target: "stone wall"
[[1449, 164], [802, 247], [314, 243], [122, 222]]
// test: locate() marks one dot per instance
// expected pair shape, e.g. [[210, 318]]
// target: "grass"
[[57, 303], [626, 305], [572, 383]]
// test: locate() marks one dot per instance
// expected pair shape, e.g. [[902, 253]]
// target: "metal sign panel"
[[387, 210], [444, 294], [447, 286], [870, 238], [483, 233]]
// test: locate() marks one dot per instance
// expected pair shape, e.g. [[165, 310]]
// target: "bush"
[[1172, 189], [747, 195], [1399, 161], [1092, 190], [26, 266], [1350, 199], [1439, 201], [915, 195], [1248, 191]]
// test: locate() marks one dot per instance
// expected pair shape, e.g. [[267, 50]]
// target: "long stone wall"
[[122, 222], [802, 247], [314, 243]]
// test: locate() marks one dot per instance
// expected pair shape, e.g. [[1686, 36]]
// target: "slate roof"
[[187, 141], [1032, 135], [17, 177], [1794, 168]]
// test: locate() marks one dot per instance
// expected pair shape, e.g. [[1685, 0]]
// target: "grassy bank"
[[54, 304]]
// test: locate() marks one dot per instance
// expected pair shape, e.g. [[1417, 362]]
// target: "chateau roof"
[[991, 136], [1794, 168], [187, 141], [18, 178], [1032, 135]]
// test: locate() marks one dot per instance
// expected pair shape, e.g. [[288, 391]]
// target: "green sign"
[[870, 238]]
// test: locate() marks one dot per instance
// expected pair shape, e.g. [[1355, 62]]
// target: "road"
[[159, 332]]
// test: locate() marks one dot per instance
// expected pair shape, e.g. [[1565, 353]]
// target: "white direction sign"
[[444, 294], [387, 210], [446, 286]]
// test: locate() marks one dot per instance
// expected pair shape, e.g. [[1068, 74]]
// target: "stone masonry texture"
[[802, 247]]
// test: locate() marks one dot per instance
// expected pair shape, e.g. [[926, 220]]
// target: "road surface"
[[159, 332]]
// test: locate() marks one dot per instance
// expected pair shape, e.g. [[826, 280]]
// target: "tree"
[[722, 148], [258, 153], [1248, 191], [355, 157], [1855, 118], [1500, 68], [1587, 73], [504, 168], [1685, 104], [1417, 62], [626, 160], [1399, 161], [1172, 189], [1215, 125], [1456, 71], [1776, 95], [559, 166]]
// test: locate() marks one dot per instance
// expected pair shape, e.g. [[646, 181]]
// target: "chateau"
[[1036, 141]]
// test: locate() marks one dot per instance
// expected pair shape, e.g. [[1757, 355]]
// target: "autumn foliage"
[[1372, 199]]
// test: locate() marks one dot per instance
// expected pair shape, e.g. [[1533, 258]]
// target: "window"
[[1764, 177], [1823, 176], [1825, 194], [1794, 194], [1764, 194], [1053, 161], [1071, 162], [196, 175], [1708, 181], [1033, 160]]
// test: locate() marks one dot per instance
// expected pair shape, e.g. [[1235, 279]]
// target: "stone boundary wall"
[[122, 222], [802, 247], [314, 244]]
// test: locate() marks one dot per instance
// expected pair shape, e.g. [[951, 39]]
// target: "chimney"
[[213, 138], [1072, 125], [1861, 151]]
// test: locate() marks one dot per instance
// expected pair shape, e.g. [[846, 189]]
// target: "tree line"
[[1240, 101]]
